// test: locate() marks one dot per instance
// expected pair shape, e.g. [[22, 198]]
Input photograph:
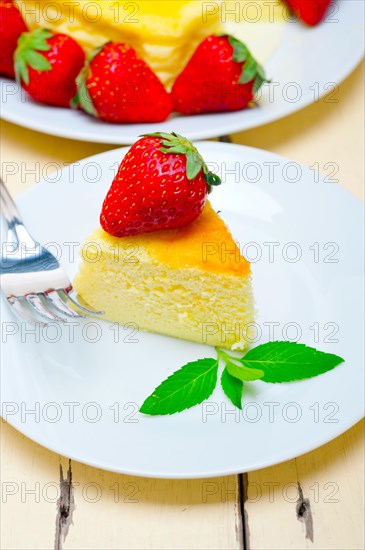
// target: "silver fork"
[[32, 279]]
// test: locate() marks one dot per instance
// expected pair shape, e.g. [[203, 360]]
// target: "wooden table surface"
[[315, 501]]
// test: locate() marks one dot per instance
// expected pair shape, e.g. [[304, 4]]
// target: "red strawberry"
[[311, 12], [162, 183], [48, 64], [222, 75], [11, 27], [117, 86]]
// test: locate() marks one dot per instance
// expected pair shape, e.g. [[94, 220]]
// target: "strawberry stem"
[[251, 69], [82, 96], [27, 54], [176, 144]]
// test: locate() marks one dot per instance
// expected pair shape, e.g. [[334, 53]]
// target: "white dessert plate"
[[303, 64], [76, 389]]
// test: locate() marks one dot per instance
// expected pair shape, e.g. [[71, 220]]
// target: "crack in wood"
[[65, 507], [304, 513], [242, 527]]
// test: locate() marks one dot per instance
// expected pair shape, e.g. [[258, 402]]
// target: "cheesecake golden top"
[[204, 244]]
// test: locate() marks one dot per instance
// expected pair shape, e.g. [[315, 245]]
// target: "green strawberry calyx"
[[174, 143], [82, 96], [27, 54], [251, 70]]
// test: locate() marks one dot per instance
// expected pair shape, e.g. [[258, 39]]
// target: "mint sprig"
[[251, 70], [273, 362], [174, 143], [26, 54]]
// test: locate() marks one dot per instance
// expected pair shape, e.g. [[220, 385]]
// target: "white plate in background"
[[306, 64]]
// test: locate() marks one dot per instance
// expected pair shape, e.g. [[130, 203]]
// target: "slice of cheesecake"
[[190, 283]]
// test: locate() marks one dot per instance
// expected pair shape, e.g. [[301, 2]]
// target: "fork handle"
[[8, 206], [17, 232]]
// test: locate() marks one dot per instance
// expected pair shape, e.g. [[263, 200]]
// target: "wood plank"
[[29, 492], [108, 510], [29, 157], [327, 136], [140, 513], [331, 480], [184, 514]]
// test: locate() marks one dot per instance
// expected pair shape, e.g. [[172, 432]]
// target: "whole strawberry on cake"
[[163, 258]]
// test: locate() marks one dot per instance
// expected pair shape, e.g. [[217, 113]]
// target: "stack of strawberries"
[[115, 85]]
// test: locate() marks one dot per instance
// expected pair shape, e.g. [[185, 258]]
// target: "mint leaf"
[[186, 387], [243, 373], [233, 388], [289, 361], [237, 370]]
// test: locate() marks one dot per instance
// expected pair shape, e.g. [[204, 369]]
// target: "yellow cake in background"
[[164, 33], [190, 283], [260, 24]]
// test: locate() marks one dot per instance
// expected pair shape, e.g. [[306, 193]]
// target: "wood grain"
[[120, 512], [331, 479], [109, 510]]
